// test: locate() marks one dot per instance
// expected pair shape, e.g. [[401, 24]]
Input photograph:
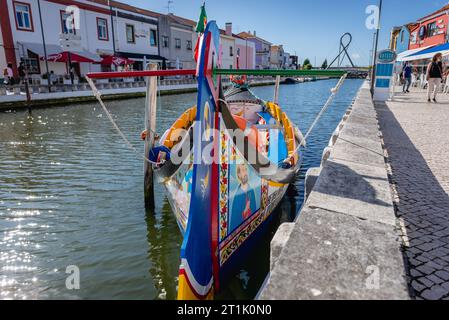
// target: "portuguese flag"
[[202, 21], [200, 28]]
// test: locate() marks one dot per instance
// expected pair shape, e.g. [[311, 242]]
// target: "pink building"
[[245, 51]]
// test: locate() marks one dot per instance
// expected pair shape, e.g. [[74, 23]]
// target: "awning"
[[54, 49], [74, 57], [428, 53], [38, 48], [407, 53], [117, 61], [140, 56]]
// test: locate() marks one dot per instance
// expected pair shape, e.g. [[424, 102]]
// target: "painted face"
[[242, 174]]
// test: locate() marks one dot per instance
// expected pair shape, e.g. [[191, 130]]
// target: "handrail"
[[192, 72], [146, 73], [284, 73]]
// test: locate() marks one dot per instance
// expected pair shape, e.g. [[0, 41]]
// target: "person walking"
[[407, 76], [434, 76], [9, 76], [22, 74]]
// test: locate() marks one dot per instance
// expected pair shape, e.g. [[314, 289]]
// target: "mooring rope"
[[334, 91], [97, 94]]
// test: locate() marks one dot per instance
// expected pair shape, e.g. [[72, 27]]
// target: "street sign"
[[386, 56]]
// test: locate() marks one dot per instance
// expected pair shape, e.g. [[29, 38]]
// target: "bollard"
[[326, 155], [2, 91]]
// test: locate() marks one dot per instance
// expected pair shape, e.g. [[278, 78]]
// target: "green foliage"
[[324, 65], [307, 65]]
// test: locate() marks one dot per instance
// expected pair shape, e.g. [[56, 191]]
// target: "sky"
[[309, 28]]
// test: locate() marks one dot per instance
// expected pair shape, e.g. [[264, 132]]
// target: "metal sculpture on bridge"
[[343, 51]]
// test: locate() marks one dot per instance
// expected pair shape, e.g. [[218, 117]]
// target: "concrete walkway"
[[416, 138], [345, 243]]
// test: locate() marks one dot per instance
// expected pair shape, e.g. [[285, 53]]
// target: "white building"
[[135, 33], [228, 48]]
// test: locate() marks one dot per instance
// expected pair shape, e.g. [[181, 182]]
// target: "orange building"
[[430, 30]]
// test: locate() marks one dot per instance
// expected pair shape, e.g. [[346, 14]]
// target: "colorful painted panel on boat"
[[179, 188], [245, 198]]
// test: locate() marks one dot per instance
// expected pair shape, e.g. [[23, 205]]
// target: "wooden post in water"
[[276, 89], [150, 126]]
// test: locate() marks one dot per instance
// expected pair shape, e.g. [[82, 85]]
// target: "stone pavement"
[[416, 138], [345, 243]]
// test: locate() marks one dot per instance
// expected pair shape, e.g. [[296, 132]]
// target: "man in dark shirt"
[[407, 76]]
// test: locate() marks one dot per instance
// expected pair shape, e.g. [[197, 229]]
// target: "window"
[[238, 52], [153, 38], [432, 29], [102, 29], [178, 43], [231, 51], [22, 14], [67, 22], [130, 36], [165, 41], [32, 63], [402, 36], [189, 45]]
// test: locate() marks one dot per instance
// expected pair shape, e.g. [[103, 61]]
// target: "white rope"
[[334, 91], [97, 94]]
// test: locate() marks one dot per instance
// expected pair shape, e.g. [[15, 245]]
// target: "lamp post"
[[45, 47], [112, 27], [373, 75]]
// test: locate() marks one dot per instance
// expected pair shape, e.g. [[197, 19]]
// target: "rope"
[[97, 94], [334, 91]]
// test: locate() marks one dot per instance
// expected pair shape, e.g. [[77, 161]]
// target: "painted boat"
[[227, 163]]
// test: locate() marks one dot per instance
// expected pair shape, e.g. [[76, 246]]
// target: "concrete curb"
[[345, 244]]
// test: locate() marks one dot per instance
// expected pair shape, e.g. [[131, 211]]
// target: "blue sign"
[[383, 83], [384, 70], [386, 56]]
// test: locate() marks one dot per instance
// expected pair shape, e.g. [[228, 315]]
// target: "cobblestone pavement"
[[416, 138]]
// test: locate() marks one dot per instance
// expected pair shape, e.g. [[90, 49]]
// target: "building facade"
[[135, 34], [246, 53], [394, 38], [430, 30], [177, 40], [228, 50], [89, 23], [403, 39], [237, 52], [277, 59], [287, 61], [262, 48]]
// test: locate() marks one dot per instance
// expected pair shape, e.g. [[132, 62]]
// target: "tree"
[[324, 65], [306, 65]]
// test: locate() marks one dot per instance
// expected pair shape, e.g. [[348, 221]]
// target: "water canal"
[[71, 194]]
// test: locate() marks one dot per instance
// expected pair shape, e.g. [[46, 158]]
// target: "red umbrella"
[[64, 57], [118, 61]]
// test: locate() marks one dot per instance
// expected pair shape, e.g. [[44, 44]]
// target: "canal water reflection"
[[71, 193]]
